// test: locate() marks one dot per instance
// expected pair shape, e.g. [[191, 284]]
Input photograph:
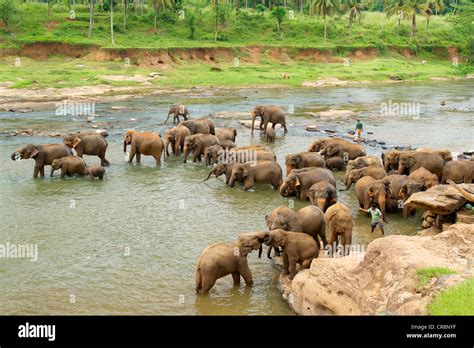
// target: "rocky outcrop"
[[384, 280]]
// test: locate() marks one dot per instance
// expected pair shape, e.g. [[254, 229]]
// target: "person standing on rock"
[[359, 129], [377, 217]]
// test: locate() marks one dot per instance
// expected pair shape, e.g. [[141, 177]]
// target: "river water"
[[129, 244]]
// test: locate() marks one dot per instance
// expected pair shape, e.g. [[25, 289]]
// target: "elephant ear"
[[245, 172], [262, 110], [34, 152], [371, 192], [297, 182], [411, 161], [76, 142]]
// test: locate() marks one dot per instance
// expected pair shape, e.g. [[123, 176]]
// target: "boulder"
[[382, 281]]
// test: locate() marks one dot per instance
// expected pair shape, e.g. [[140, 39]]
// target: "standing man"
[[377, 217], [359, 129]]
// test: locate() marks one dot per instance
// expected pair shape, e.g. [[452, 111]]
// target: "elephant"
[[361, 162], [175, 137], [176, 111], [197, 143], [297, 248], [298, 183], [401, 188], [370, 190], [270, 135], [146, 143], [251, 174], [220, 169], [42, 154], [269, 114], [227, 144], [338, 219], [390, 159], [356, 174], [221, 259], [88, 143], [228, 133], [199, 125], [95, 172], [344, 149], [409, 161], [212, 154], [459, 172], [303, 160], [445, 153], [425, 177], [320, 144], [309, 220], [335, 163], [69, 166], [322, 194]]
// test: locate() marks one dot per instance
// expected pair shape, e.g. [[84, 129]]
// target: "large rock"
[[440, 199], [384, 280]]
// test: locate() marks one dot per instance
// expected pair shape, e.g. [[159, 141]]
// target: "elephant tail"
[[198, 279]]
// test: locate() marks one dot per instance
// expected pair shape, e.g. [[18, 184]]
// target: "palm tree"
[[355, 8], [431, 7], [324, 8], [125, 14], [412, 8], [394, 9], [216, 3], [91, 17], [111, 5]]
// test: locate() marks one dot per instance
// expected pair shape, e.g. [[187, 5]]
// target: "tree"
[[324, 8], [355, 8], [91, 17], [216, 3], [111, 5], [412, 8], [396, 8], [125, 3], [279, 14], [191, 22], [431, 8], [8, 11]]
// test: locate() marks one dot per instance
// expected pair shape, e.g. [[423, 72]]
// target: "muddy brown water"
[[129, 244]]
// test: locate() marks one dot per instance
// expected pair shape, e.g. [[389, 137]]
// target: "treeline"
[[461, 12]]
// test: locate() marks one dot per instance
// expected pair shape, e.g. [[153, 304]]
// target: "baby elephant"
[[96, 172], [270, 135], [335, 163], [221, 259], [297, 248], [69, 166]]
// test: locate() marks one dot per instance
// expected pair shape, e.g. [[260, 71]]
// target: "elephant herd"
[[295, 235], [298, 235]]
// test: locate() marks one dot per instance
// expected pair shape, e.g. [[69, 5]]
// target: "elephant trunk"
[[209, 176], [260, 250], [289, 168], [15, 156], [185, 153], [124, 146], [382, 203]]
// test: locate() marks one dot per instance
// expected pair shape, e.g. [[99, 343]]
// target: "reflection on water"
[[129, 244]]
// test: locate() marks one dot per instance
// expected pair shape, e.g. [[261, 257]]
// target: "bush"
[[8, 11]]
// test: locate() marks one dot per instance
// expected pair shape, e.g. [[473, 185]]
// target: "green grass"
[[424, 275], [457, 300]]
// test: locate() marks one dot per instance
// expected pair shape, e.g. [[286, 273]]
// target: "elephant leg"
[[63, 172], [139, 157], [236, 278], [36, 171], [246, 274], [332, 243], [306, 263], [292, 267], [103, 161], [284, 127], [132, 153], [207, 283], [269, 252], [248, 184], [276, 182], [41, 170], [285, 263], [167, 118], [158, 158], [265, 125]]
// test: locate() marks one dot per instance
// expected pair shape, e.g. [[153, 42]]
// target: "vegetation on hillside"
[[201, 23]]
